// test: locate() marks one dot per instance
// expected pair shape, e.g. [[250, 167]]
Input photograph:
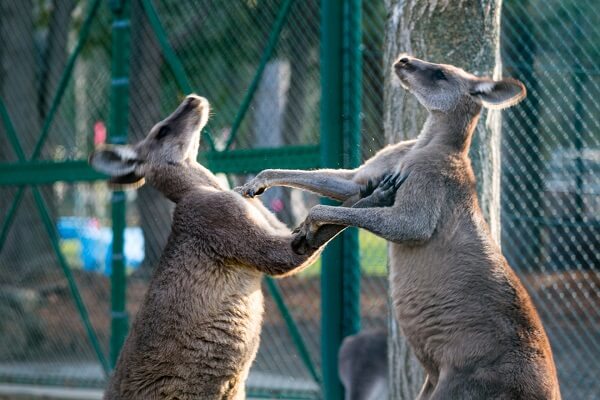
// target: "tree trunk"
[[154, 209], [52, 65], [268, 123], [300, 50], [55, 55], [464, 33]]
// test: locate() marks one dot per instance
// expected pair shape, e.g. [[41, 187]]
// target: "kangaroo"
[[461, 307], [363, 366], [197, 331]]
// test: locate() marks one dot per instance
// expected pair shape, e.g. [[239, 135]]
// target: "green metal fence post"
[[119, 111], [352, 68], [340, 133]]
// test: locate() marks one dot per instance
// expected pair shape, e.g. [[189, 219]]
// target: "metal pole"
[[352, 59], [340, 128], [292, 328], [119, 111]]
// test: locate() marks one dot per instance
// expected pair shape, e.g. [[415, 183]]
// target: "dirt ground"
[[50, 329]]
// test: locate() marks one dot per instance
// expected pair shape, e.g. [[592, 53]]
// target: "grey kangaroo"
[[197, 331], [362, 364], [463, 310]]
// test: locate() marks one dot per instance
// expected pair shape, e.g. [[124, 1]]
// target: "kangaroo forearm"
[[274, 256], [241, 236], [387, 222], [327, 232], [335, 184]]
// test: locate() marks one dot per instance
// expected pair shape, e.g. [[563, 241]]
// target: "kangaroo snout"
[[194, 107], [193, 100], [402, 61], [404, 66]]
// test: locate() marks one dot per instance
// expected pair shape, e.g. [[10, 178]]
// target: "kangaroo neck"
[[175, 180], [453, 130]]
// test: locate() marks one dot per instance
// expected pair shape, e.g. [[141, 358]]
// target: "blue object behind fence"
[[96, 243]]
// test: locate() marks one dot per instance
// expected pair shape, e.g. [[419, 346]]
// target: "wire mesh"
[[373, 250], [44, 340], [550, 180], [220, 49], [550, 230], [56, 102]]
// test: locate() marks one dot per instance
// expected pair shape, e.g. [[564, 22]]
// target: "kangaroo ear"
[[114, 160], [120, 163], [498, 94]]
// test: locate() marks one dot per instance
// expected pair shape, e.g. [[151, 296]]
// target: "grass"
[[373, 257], [71, 250]]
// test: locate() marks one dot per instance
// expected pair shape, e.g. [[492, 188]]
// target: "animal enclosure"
[[75, 258]]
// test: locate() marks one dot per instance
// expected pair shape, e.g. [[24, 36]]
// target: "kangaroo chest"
[[429, 297], [203, 335]]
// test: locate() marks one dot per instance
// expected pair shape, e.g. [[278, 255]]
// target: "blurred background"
[[258, 62]]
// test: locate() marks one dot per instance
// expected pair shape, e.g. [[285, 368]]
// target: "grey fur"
[[197, 331], [463, 310], [363, 366]]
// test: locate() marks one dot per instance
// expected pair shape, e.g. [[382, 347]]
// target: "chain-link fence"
[[55, 73], [258, 62], [550, 180]]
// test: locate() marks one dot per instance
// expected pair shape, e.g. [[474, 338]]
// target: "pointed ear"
[[120, 162], [498, 94], [114, 160]]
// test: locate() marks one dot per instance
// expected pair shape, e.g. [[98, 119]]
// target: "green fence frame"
[[338, 148], [40, 203], [117, 134]]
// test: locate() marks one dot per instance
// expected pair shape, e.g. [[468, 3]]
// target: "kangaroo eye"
[[162, 132], [439, 75]]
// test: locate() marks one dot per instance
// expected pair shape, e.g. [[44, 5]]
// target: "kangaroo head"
[[442, 87], [171, 142]]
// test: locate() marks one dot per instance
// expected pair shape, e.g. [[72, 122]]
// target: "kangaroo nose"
[[401, 62], [195, 100]]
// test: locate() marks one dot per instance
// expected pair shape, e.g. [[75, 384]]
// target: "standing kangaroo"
[[363, 366], [197, 331], [463, 310]]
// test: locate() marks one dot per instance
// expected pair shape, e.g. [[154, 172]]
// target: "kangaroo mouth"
[[402, 73], [129, 181], [403, 80], [403, 68]]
